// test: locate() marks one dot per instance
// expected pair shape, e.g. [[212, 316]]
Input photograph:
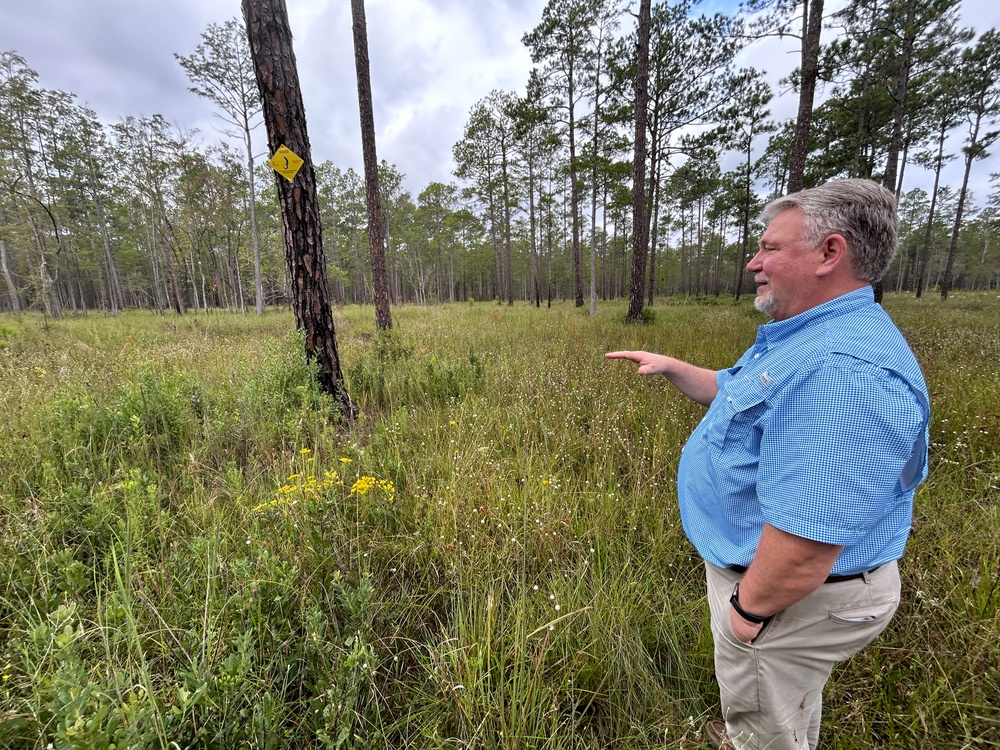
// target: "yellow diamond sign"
[[285, 163]]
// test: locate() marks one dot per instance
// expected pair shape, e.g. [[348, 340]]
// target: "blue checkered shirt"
[[820, 430]]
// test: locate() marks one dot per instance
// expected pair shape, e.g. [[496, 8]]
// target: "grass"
[[197, 553]]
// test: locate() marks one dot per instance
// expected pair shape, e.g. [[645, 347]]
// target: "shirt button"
[[756, 356], [729, 398]]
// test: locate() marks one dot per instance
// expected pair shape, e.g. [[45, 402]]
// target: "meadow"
[[195, 552]]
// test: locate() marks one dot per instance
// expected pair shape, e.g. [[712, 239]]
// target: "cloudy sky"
[[431, 60]]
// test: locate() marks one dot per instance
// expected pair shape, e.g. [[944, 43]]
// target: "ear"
[[835, 256]]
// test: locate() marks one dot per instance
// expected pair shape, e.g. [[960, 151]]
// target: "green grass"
[[191, 557]]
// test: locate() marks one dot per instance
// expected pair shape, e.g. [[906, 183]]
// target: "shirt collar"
[[775, 331]]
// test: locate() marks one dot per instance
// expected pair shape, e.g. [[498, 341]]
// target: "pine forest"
[[540, 206]]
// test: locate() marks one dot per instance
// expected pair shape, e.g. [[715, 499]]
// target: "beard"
[[766, 303]]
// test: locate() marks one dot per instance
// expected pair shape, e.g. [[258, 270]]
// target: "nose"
[[754, 264]]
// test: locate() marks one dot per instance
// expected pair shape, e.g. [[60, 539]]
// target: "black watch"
[[735, 601]]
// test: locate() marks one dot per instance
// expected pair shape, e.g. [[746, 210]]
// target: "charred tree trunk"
[[284, 117], [380, 287], [640, 233], [655, 193]]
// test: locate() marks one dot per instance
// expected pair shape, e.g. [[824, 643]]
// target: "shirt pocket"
[[743, 402]]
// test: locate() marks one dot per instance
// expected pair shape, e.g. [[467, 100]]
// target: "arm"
[[697, 383], [786, 568]]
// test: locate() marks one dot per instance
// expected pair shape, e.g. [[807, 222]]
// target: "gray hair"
[[861, 211]]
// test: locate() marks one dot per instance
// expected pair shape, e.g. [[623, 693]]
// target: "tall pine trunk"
[[925, 250], [640, 233], [899, 96], [812, 26], [970, 152], [258, 281], [575, 199], [380, 288], [284, 117]]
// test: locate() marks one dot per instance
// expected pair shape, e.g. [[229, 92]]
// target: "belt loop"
[[867, 575]]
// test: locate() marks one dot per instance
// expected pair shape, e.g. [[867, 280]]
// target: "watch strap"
[[748, 616]]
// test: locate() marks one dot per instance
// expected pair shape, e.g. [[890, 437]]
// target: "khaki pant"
[[772, 691]]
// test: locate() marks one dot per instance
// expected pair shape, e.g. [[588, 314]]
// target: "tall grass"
[[198, 553]]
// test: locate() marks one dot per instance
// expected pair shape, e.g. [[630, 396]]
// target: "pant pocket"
[[866, 613]]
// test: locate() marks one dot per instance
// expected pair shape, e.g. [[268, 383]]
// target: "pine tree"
[[380, 287], [284, 117]]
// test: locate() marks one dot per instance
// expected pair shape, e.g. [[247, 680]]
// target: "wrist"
[[750, 617]]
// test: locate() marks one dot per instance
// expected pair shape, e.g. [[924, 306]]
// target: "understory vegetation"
[[197, 553]]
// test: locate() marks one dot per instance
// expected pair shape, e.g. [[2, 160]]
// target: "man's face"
[[784, 268]]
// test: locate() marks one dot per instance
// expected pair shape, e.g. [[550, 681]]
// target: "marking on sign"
[[285, 162]]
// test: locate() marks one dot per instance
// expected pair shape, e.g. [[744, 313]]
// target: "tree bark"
[[506, 221], [284, 117], [653, 223], [575, 198], [594, 181], [640, 233], [812, 25], [532, 221], [380, 287]]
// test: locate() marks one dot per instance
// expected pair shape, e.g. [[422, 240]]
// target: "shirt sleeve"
[[835, 444]]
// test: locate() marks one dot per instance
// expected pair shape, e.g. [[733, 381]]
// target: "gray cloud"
[[115, 56]]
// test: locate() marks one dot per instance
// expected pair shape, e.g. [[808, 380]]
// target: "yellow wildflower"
[[366, 483]]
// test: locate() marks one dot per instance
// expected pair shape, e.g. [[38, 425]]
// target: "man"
[[797, 486]]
